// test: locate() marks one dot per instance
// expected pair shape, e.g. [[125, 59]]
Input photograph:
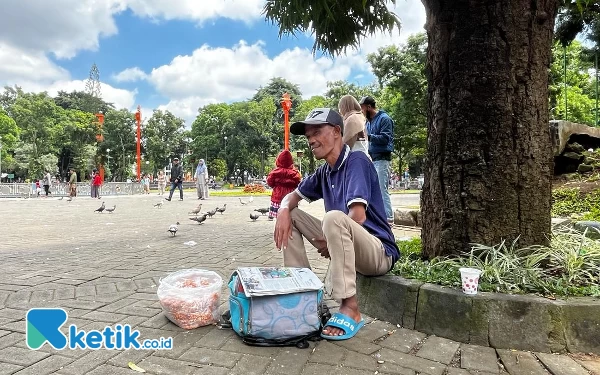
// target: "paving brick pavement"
[[104, 269]]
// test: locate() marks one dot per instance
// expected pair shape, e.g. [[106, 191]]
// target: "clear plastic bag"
[[191, 298]]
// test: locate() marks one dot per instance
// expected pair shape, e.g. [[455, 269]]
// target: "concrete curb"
[[501, 321]]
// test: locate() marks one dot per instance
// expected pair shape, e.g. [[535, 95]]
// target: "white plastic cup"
[[470, 280]]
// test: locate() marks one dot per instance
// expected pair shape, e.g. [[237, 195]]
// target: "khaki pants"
[[350, 246]]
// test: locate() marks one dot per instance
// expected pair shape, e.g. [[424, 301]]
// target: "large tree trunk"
[[489, 159]]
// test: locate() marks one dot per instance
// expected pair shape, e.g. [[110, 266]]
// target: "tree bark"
[[489, 157]]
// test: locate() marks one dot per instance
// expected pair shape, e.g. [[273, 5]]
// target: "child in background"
[[96, 184], [283, 179], [162, 182], [146, 184]]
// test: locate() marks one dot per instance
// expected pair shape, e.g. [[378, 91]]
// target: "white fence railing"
[[83, 189]]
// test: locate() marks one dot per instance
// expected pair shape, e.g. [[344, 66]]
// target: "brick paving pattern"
[[104, 269]]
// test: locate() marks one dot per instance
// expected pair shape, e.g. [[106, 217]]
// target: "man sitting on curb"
[[354, 232]]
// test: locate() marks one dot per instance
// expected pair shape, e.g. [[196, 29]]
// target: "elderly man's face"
[[322, 139]]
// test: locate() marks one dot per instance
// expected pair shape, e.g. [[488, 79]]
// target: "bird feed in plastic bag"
[[191, 298]]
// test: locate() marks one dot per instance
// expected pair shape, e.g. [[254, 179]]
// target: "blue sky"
[[174, 55]]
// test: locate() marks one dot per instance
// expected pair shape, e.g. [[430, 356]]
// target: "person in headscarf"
[[201, 177], [355, 131]]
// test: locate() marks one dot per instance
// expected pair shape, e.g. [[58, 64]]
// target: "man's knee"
[[333, 218]]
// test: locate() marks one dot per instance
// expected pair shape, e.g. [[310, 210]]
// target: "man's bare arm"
[[290, 201], [358, 212], [283, 226]]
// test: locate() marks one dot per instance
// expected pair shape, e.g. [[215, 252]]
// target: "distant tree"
[[119, 136], [275, 90], [337, 89], [82, 101], [401, 70], [164, 138], [579, 105]]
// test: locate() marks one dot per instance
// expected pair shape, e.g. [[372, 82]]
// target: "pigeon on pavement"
[[222, 209], [263, 211], [253, 216], [211, 213], [199, 219], [196, 210], [101, 208], [111, 210], [243, 202], [173, 228], [159, 204]]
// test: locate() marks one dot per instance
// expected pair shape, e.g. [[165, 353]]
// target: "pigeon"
[[222, 209], [100, 209], [199, 219], [196, 210], [61, 198], [173, 228], [243, 202], [211, 213], [251, 198], [263, 211], [253, 216], [110, 210], [159, 204]]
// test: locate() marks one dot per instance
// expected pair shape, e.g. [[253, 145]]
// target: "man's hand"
[[321, 244], [283, 228]]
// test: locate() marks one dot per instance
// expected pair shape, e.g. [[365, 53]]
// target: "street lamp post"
[[286, 105], [226, 167], [108, 159]]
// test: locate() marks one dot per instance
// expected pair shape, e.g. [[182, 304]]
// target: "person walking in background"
[[283, 179], [355, 131], [72, 184], [96, 184], [201, 177], [162, 182], [380, 130], [176, 179], [47, 181]]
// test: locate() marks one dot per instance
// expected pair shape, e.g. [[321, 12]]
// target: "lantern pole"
[[138, 118], [286, 105], [100, 138]]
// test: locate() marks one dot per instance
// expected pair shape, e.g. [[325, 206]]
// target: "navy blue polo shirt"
[[352, 179]]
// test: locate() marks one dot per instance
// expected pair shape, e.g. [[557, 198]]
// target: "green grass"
[[405, 191], [236, 192], [570, 202], [569, 267]]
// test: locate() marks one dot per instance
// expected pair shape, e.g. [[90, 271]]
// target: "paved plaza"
[[104, 268]]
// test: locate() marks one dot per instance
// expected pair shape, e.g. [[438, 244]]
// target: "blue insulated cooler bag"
[[276, 320]]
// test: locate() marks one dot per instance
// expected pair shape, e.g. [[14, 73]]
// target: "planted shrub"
[[569, 267]]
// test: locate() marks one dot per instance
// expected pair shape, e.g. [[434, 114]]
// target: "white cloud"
[[186, 108], [207, 75], [211, 75], [119, 97], [239, 10], [17, 65], [130, 75], [225, 74], [62, 27]]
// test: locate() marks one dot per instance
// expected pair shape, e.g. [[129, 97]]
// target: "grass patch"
[[405, 191], [237, 192], [569, 267], [571, 202]]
